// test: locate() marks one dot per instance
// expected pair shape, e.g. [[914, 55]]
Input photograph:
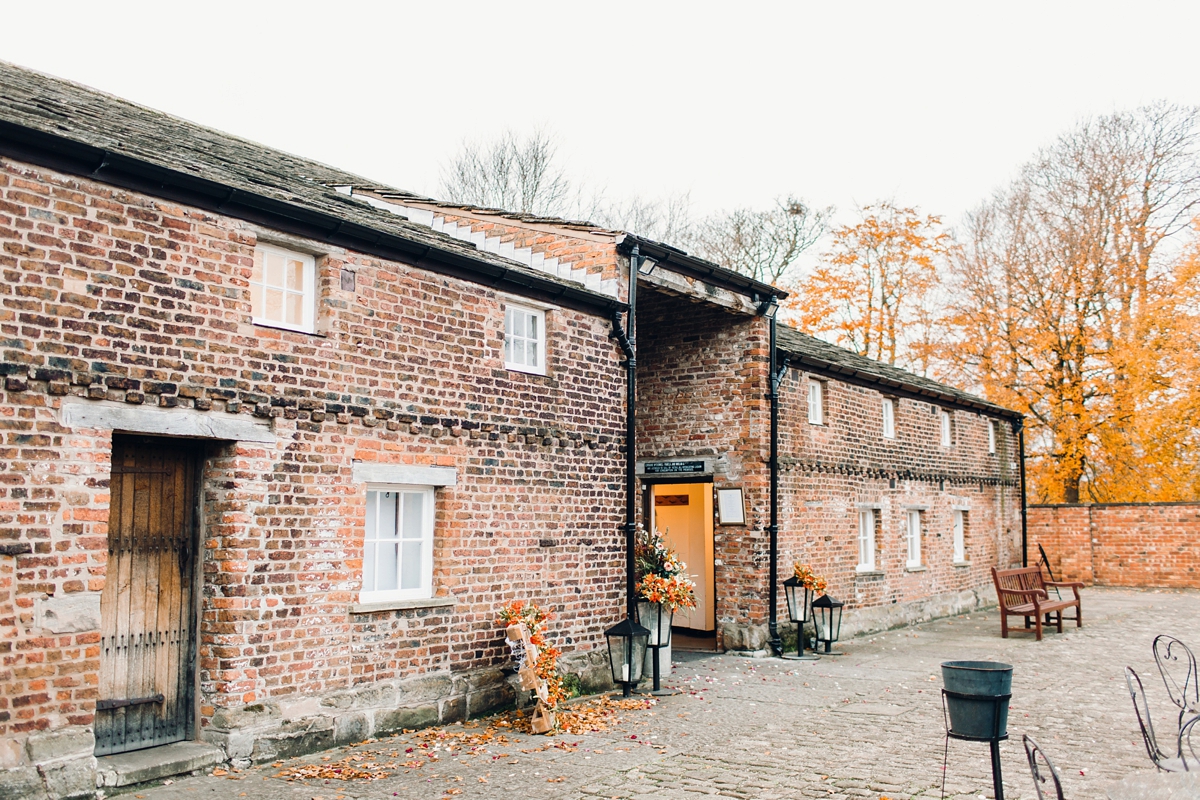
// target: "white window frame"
[[866, 539], [889, 418], [913, 538], [991, 436], [960, 539], [947, 429], [816, 401], [538, 314], [309, 304], [425, 590]]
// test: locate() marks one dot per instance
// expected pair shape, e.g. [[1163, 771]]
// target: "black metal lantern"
[[627, 653], [799, 597], [827, 618]]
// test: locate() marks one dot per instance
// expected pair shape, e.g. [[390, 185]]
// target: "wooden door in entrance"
[[683, 512], [147, 646]]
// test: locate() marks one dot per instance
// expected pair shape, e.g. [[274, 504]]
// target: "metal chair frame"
[[1162, 760], [1044, 772], [1168, 653]]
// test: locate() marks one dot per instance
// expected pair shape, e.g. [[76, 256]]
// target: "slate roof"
[[840, 363], [76, 129]]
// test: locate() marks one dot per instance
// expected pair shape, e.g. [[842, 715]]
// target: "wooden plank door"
[[147, 646]]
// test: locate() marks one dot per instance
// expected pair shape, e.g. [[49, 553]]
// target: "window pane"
[[372, 513], [518, 351], [387, 515], [532, 326], [385, 573], [257, 275], [274, 306], [274, 269], [295, 275], [531, 350], [295, 309], [518, 323], [410, 565], [508, 350], [413, 516]]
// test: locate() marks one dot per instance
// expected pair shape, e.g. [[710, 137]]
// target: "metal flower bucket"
[[977, 695]]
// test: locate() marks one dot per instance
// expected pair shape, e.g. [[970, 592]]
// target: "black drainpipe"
[[1020, 425], [776, 377], [626, 338]]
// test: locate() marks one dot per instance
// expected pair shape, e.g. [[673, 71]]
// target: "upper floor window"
[[283, 289], [816, 401], [398, 546], [889, 418], [913, 537], [991, 435], [866, 540], [525, 339], [947, 432]]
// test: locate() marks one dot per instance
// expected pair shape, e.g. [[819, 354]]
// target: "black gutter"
[[776, 378], [1020, 426], [888, 386], [67, 155], [678, 261], [627, 339]]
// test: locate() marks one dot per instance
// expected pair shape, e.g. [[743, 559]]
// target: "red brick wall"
[[830, 471], [1120, 544], [123, 298], [701, 392]]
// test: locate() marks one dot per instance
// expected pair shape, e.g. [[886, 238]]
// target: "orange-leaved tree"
[[875, 289], [1071, 302]]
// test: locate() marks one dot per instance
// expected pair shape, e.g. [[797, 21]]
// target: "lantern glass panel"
[[656, 617]]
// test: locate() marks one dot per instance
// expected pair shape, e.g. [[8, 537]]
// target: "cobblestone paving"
[[867, 724]]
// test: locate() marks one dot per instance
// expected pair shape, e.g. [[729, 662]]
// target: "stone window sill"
[[962, 563], [919, 568], [869, 573], [401, 605]]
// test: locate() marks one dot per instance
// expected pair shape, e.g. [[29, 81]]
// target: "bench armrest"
[[1071, 584]]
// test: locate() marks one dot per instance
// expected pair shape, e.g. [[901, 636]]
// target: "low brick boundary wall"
[[1119, 544]]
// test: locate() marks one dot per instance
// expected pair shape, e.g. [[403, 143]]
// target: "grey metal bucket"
[[977, 695]]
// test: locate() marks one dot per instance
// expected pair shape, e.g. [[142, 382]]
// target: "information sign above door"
[[675, 468]]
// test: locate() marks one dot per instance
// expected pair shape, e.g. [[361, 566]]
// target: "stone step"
[[139, 766]]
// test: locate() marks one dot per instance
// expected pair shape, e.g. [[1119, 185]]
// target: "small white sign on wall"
[[731, 509]]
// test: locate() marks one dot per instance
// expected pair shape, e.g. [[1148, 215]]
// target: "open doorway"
[[683, 513]]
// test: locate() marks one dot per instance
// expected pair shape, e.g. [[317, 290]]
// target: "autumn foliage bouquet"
[[661, 574], [809, 579], [540, 656]]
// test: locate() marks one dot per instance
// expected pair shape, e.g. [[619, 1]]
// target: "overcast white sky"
[[932, 104]]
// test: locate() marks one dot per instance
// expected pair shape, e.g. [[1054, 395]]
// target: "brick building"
[[272, 459], [278, 442], [902, 491]]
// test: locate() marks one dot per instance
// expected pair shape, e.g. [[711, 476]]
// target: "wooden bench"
[[1022, 593]]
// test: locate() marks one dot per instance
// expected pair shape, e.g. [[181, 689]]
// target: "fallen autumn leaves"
[[488, 737]]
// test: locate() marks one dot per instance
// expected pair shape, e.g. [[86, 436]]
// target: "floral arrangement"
[[537, 654], [809, 579], [661, 574]]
